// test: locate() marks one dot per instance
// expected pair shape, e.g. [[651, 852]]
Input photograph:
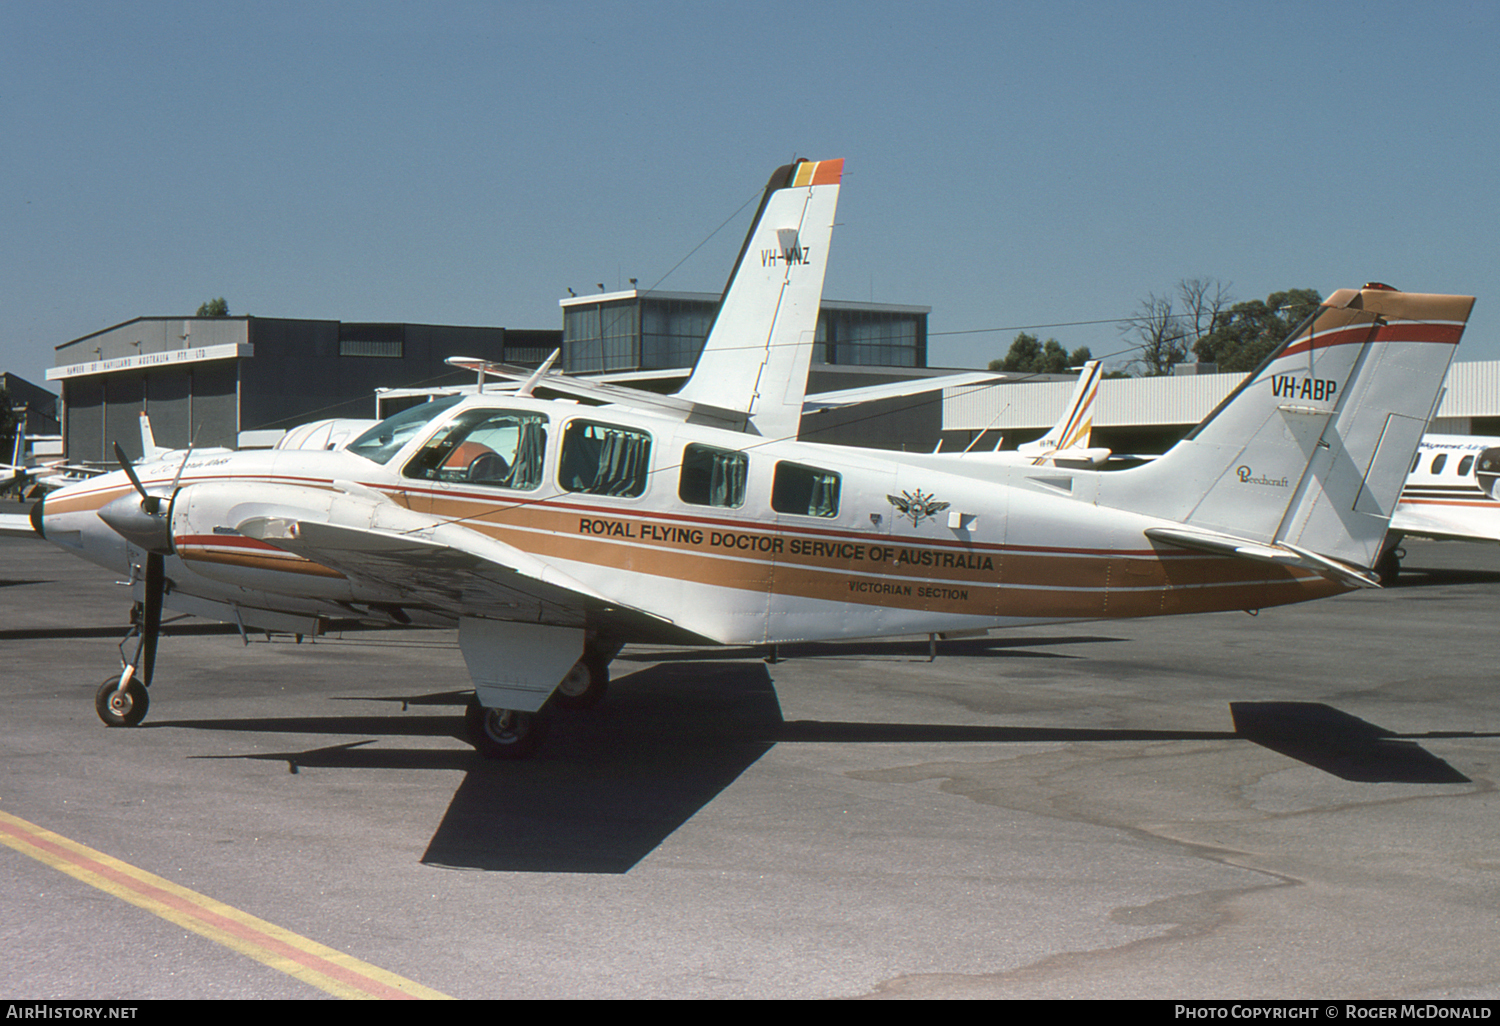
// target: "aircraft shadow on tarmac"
[[612, 784], [1431, 577]]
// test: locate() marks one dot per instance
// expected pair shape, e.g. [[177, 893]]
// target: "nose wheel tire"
[[121, 708], [504, 733]]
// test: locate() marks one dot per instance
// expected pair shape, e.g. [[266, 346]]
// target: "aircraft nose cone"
[[38, 518], [130, 521]]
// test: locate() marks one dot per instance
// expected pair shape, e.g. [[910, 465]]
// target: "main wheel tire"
[[121, 708], [504, 733], [585, 684]]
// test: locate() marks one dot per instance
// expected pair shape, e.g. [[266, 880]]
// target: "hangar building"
[[1149, 415], [242, 381]]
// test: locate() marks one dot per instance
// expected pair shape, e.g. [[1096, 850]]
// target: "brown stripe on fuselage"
[[986, 580]]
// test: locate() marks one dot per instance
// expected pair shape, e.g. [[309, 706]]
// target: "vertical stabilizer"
[[149, 449], [756, 358], [1309, 454], [1075, 427]]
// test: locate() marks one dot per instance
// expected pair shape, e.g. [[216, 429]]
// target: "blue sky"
[[1007, 164]]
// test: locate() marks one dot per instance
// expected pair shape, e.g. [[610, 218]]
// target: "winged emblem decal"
[[916, 505]]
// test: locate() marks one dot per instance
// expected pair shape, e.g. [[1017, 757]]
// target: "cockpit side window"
[[499, 448], [388, 437]]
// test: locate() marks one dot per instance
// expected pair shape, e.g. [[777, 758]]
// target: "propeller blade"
[[130, 471], [177, 478]]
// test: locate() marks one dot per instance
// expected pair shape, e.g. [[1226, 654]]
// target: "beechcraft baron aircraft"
[[553, 532]]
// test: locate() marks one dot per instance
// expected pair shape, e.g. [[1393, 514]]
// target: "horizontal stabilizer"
[[1282, 554]]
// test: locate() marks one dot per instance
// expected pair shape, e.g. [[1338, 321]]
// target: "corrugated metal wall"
[[1473, 390]]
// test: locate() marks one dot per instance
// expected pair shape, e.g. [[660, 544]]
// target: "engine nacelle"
[[1487, 471]]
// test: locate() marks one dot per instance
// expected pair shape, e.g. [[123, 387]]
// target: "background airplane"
[[552, 532]]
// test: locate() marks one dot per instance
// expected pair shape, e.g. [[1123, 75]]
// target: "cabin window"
[[806, 491], [713, 477], [500, 448], [1438, 461], [1465, 465], [601, 459], [388, 437]]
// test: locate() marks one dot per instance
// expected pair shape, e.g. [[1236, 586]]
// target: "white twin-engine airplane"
[[1452, 494], [553, 532]]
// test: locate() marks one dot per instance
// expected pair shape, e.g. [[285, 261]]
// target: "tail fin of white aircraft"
[[18, 457], [1075, 427], [149, 449], [756, 359], [1303, 463]]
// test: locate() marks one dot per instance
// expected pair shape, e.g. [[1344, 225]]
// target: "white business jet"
[[1452, 494], [552, 532]]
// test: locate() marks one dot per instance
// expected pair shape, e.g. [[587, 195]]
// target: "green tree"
[[1029, 355], [1250, 331], [214, 308]]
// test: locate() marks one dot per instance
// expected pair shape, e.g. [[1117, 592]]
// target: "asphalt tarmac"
[[1298, 804]]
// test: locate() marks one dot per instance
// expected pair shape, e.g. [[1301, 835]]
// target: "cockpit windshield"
[[385, 439]]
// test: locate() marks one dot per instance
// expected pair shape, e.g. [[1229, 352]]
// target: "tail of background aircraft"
[[756, 358], [149, 449], [1303, 463], [18, 457], [1075, 427]]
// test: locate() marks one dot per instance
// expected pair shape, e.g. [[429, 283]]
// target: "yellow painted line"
[[329, 970]]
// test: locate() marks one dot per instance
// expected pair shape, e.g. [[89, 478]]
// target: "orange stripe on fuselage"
[[987, 580]]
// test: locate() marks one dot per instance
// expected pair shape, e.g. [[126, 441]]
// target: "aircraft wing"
[[894, 390], [466, 574], [598, 391]]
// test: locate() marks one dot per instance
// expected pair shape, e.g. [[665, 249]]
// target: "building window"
[[673, 331], [382, 340], [713, 477], [805, 491], [602, 337], [872, 338]]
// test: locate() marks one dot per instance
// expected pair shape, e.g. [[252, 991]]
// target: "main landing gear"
[[512, 734], [1388, 566]]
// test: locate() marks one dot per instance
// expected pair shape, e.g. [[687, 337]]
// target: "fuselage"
[[730, 538]]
